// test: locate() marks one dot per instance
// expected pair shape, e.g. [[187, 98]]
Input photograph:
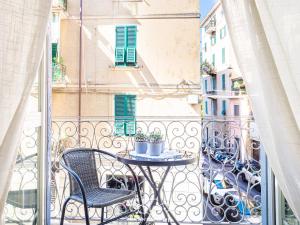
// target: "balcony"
[[208, 69], [188, 196], [211, 26], [58, 74], [224, 93], [59, 5], [194, 193]]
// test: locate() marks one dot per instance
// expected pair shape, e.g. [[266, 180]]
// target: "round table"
[[145, 165]]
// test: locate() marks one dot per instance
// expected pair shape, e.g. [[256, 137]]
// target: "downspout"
[[80, 74]]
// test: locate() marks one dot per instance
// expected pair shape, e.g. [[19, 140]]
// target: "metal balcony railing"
[[222, 187], [211, 26], [226, 93]]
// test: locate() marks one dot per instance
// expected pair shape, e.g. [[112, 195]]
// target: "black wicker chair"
[[84, 185]]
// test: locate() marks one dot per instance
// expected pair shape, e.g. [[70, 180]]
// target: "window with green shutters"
[[223, 82], [223, 113], [125, 52], [54, 52], [214, 83], [213, 59], [125, 107], [223, 55], [206, 107], [213, 39], [222, 32]]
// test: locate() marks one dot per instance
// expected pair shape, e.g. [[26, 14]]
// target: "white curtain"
[[23, 25], [265, 35]]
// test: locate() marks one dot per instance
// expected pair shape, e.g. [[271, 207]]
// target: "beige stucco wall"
[[168, 51]]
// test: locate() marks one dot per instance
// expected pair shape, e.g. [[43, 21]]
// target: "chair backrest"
[[83, 163]]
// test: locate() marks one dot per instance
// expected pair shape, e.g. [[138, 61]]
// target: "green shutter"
[[125, 107], [120, 55], [54, 51], [223, 32], [223, 82], [120, 45], [223, 55], [213, 39], [130, 114], [130, 57], [213, 60], [119, 114], [214, 83], [223, 108], [131, 45], [205, 86]]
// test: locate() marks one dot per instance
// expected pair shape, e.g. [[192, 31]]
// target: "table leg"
[[138, 191], [157, 196]]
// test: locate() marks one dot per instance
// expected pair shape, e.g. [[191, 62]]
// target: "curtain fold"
[[23, 29], [266, 39]]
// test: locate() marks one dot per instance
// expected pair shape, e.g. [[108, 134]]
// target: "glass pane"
[[21, 204], [22, 201], [288, 215]]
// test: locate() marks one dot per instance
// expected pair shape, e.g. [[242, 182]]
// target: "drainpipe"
[[80, 74]]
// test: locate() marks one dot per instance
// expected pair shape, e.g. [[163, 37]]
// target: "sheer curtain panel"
[[266, 39], [23, 25]]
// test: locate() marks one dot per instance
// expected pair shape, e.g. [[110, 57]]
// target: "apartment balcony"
[[59, 5], [58, 74], [224, 94], [212, 190], [211, 26]]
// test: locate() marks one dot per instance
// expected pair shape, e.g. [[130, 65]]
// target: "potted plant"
[[155, 144], [140, 143]]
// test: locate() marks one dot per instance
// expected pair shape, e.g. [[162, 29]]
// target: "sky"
[[205, 6]]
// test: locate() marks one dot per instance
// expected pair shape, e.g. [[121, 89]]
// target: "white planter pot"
[[155, 149], [140, 147]]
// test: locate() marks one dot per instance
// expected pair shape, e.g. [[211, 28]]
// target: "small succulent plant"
[[140, 137], [155, 137]]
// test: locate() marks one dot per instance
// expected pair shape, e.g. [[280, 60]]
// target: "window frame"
[[126, 119], [126, 48], [223, 81], [223, 55], [224, 106]]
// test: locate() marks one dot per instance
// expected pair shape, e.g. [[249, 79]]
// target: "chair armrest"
[[126, 165]]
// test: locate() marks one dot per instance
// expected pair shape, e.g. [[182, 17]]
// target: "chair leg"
[[63, 211], [86, 212]]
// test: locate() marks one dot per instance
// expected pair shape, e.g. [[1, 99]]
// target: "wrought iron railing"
[[226, 93], [211, 25], [21, 202], [222, 187]]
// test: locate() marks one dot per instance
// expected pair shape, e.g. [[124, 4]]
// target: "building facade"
[[223, 89], [135, 60]]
